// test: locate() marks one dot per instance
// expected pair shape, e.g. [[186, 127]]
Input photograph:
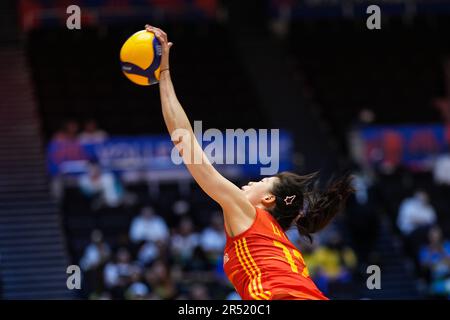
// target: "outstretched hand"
[[165, 45]]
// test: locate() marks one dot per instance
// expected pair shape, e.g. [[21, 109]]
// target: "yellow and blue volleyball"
[[140, 58]]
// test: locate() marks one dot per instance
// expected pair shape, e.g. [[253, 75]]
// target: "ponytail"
[[300, 202], [323, 206]]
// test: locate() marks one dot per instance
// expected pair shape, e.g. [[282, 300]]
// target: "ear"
[[268, 200]]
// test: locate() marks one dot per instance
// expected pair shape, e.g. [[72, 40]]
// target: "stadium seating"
[[32, 248]]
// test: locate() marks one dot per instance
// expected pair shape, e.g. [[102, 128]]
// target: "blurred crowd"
[[70, 131], [177, 257], [418, 208], [163, 258], [425, 243], [158, 262], [180, 258], [166, 258], [417, 203]]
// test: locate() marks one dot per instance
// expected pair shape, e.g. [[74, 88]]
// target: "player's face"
[[256, 191]]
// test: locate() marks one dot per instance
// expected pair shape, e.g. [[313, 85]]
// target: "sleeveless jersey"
[[262, 264]]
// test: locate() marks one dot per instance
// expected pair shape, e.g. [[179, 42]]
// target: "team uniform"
[[262, 264]]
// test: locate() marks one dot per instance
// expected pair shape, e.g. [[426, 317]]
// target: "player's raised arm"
[[238, 211]]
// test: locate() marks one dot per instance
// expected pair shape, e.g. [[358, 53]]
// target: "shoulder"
[[267, 220], [238, 218], [262, 223]]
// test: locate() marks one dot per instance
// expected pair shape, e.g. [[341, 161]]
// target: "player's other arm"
[[238, 211]]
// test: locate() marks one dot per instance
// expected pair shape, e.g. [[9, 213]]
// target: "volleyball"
[[140, 58]]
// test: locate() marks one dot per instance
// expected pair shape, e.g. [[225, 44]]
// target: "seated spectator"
[[102, 187], [137, 290], [184, 241], [415, 212], [331, 265], [435, 261], [67, 133], [159, 279], [95, 256], [91, 133], [213, 238], [175, 209], [180, 208], [198, 263], [415, 216], [148, 226], [96, 253], [199, 292], [148, 252], [441, 170], [117, 274], [64, 154], [355, 142]]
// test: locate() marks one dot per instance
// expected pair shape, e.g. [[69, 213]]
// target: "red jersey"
[[262, 264]]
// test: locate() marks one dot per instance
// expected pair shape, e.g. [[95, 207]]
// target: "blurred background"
[[85, 170]]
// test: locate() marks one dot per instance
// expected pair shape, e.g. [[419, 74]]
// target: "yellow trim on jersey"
[[246, 271], [299, 256], [277, 231], [287, 254], [265, 294], [249, 267]]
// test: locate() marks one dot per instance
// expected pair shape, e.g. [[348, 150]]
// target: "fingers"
[[162, 40], [160, 34], [160, 31], [163, 33], [149, 28]]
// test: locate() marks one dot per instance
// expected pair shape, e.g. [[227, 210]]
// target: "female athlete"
[[259, 260]]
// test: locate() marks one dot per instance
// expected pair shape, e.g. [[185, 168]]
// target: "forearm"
[[179, 126], [174, 115], [177, 121], [235, 205]]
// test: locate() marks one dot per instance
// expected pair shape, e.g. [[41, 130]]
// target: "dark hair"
[[299, 201]]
